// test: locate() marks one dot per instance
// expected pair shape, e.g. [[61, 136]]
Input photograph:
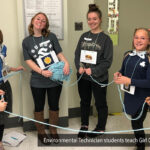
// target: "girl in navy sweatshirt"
[[135, 75]]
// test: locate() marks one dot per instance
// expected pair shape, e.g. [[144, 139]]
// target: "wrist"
[[66, 63], [129, 81], [41, 72], [81, 65]]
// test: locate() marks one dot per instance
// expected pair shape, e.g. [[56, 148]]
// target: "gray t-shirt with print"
[[35, 48]]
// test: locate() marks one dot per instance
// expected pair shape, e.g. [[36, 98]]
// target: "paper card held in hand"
[[128, 88]]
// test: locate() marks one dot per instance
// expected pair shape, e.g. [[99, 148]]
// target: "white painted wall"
[[77, 11], [12, 25]]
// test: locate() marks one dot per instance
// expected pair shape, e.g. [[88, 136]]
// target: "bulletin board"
[[52, 8], [113, 20]]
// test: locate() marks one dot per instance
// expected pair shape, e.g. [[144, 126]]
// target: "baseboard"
[[13, 122], [76, 112], [30, 126]]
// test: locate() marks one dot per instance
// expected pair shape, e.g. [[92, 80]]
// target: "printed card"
[[89, 57], [45, 61], [128, 88]]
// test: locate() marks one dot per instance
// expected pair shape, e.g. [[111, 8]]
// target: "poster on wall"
[[52, 8], [113, 20]]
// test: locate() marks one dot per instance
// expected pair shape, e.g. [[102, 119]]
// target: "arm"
[[79, 68], [66, 67], [17, 69], [141, 83], [3, 54], [3, 104], [120, 73], [116, 75], [36, 68], [58, 51]]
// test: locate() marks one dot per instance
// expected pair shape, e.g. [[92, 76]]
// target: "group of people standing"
[[93, 57], [38, 45]]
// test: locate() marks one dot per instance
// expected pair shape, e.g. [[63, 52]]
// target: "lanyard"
[[94, 41], [36, 47]]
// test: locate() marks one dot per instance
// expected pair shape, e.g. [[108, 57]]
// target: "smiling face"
[[141, 40], [94, 21], [39, 22]]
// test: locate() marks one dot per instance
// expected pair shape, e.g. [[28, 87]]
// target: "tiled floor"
[[114, 123]]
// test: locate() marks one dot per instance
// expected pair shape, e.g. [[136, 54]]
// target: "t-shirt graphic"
[[46, 61], [46, 56]]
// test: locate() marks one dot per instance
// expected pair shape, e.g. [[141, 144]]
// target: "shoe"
[[93, 135], [140, 148], [83, 135], [44, 139], [55, 138]]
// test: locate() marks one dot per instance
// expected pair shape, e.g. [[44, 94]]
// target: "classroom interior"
[[132, 14]]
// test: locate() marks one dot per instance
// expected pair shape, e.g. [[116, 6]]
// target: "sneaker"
[[93, 135], [82, 135], [140, 146]]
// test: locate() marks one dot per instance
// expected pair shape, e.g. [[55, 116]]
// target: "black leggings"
[[1, 132], [85, 89], [53, 95], [138, 124]]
